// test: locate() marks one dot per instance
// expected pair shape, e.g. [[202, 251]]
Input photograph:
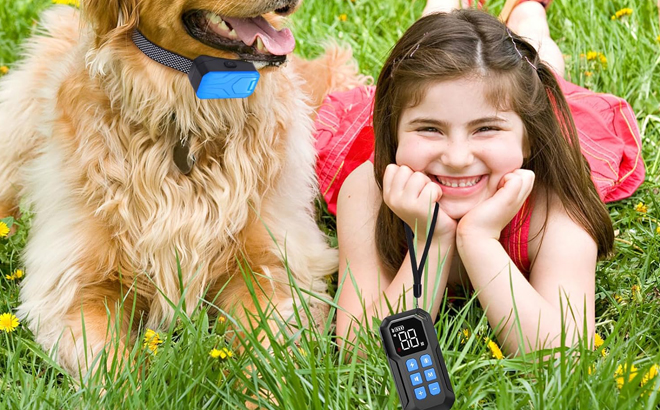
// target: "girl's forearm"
[[488, 266], [401, 286]]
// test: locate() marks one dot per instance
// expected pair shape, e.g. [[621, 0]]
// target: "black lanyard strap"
[[418, 271]]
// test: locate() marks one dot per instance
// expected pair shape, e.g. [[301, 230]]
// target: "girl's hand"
[[489, 218], [407, 194]]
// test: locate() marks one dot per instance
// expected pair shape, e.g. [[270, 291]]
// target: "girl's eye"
[[428, 129], [487, 129]]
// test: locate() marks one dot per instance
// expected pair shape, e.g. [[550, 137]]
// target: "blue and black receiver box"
[[213, 77]]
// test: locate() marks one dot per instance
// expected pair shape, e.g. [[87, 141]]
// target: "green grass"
[[314, 375]]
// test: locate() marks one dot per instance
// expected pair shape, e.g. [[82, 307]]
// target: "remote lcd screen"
[[408, 336]]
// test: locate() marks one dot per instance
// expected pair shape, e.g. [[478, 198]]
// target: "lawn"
[[189, 364]]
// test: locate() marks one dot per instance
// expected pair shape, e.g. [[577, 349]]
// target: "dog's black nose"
[[288, 6]]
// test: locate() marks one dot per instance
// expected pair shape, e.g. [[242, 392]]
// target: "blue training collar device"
[[211, 77]]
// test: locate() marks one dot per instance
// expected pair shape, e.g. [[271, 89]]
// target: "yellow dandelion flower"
[[582, 55], [634, 290], [4, 229], [602, 58], [8, 322], [215, 353], [640, 207], [588, 73], [648, 376], [225, 353], [618, 298], [598, 341], [222, 319], [16, 275], [657, 39], [75, 3], [619, 373], [152, 340], [343, 17], [592, 55], [494, 349], [657, 229], [4, 70], [621, 13], [465, 335], [591, 369]]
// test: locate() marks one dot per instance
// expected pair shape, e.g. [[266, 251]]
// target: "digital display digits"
[[408, 336]]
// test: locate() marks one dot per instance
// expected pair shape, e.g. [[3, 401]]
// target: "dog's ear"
[[106, 16]]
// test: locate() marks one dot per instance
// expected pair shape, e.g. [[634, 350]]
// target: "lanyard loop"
[[419, 270]]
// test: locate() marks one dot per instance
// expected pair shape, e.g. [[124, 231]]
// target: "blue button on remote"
[[426, 360], [411, 364], [434, 389], [429, 374], [416, 379], [420, 393]]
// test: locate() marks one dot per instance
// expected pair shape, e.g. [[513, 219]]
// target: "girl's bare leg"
[[445, 6], [529, 20]]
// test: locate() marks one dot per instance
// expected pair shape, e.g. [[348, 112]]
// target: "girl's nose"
[[457, 154]]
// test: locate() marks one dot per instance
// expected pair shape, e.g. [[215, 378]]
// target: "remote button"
[[434, 389], [426, 360], [416, 379], [230, 64], [430, 374], [420, 393], [411, 364]]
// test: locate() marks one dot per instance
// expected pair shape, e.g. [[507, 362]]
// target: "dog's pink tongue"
[[276, 42]]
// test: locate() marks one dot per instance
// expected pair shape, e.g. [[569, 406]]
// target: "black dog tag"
[[182, 158]]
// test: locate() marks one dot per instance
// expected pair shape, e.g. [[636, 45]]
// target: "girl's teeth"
[[461, 184]]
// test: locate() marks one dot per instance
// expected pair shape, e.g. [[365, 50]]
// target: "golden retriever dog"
[[89, 127]]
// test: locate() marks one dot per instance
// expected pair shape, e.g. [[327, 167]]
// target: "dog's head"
[[238, 29]]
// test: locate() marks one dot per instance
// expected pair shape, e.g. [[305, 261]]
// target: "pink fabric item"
[[609, 140]]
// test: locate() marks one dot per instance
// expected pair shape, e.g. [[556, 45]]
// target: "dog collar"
[[210, 77]]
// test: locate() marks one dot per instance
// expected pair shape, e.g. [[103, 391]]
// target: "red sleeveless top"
[[606, 125]]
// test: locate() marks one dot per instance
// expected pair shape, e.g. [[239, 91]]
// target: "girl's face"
[[457, 138]]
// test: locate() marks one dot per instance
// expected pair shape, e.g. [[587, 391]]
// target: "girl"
[[466, 113]]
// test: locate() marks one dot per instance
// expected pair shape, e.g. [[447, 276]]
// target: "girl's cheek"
[[503, 158], [416, 152]]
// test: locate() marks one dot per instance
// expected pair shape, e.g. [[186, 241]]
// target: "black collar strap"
[[161, 55], [418, 271]]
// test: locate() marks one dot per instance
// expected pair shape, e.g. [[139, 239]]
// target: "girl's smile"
[[460, 187], [461, 142]]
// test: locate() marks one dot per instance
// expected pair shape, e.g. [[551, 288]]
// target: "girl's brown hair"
[[471, 43]]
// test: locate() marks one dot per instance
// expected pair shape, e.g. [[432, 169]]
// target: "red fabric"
[[606, 126], [343, 138], [609, 140]]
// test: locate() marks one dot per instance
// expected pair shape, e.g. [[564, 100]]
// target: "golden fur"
[[88, 128]]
